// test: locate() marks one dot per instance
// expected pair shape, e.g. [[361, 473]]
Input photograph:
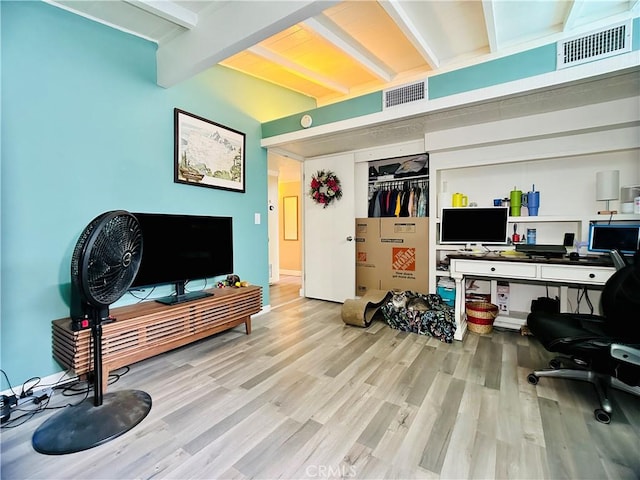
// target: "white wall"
[[560, 152]]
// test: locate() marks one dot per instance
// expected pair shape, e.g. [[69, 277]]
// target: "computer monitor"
[[469, 225], [606, 237]]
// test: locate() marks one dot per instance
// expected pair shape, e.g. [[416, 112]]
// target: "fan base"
[[85, 426]]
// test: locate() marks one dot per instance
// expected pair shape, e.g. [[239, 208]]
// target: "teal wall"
[[85, 129], [518, 66], [502, 70], [354, 107]]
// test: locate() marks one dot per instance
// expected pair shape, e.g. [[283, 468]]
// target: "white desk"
[[562, 272]]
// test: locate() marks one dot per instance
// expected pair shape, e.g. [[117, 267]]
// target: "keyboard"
[[541, 250]]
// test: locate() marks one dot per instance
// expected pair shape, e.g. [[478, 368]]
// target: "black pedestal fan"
[[105, 262]]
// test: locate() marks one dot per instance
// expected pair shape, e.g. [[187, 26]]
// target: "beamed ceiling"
[[331, 50]]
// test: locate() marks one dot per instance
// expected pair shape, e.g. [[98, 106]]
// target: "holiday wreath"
[[325, 188]]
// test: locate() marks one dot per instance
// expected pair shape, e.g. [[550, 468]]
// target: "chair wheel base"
[[602, 416], [532, 379]]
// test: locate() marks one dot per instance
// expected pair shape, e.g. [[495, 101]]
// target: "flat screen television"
[[474, 225], [179, 248], [606, 237]]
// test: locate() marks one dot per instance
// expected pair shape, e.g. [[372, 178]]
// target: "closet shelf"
[[392, 179]]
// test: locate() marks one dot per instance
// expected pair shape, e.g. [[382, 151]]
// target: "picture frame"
[[290, 218], [208, 154]]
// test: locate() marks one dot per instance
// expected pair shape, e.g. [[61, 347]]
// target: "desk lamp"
[[607, 188]]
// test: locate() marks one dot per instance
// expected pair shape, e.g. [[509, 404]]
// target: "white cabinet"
[[497, 269], [560, 152], [560, 273], [583, 275]]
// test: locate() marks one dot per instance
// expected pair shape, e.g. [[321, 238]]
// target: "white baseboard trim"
[[52, 380], [294, 273], [263, 310]]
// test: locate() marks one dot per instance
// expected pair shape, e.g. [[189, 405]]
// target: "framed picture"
[[290, 219], [208, 154]]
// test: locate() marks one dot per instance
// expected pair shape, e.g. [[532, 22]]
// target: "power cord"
[[141, 299], [583, 293], [9, 404], [29, 391]]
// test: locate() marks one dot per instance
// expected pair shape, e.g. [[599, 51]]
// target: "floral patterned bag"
[[434, 317]]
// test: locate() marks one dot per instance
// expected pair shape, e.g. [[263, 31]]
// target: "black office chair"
[[601, 349]]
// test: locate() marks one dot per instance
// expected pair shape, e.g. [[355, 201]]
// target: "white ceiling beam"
[[228, 30], [402, 19], [331, 32], [170, 11], [574, 13], [489, 10], [298, 69]]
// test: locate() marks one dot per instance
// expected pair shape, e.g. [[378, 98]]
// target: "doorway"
[[285, 229]]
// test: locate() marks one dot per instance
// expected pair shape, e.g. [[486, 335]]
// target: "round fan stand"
[[109, 247], [96, 420]]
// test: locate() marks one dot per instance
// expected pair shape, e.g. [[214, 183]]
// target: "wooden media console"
[[149, 328]]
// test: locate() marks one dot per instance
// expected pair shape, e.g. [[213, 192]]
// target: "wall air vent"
[[603, 43], [413, 92]]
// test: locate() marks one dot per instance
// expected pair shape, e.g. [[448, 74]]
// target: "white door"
[[273, 216], [329, 234]]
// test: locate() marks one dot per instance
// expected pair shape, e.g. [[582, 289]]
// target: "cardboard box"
[[392, 253], [367, 265], [502, 297]]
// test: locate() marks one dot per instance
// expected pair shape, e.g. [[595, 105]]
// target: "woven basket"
[[480, 316]]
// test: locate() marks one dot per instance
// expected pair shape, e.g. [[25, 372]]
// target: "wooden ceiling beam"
[[573, 14], [488, 8], [170, 11], [332, 33], [227, 30], [403, 20], [298, 70]]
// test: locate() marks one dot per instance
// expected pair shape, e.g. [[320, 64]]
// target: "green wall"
[[85, 129]]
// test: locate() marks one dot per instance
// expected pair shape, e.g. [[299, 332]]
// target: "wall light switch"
[[256, 218]]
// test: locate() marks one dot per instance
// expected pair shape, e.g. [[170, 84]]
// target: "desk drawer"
[[578, 274], [494, 269]]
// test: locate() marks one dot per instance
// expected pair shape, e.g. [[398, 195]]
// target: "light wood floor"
[[305, 396], [286, 290]]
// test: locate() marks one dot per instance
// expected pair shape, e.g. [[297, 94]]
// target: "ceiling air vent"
[[602, 43], [412, 92]]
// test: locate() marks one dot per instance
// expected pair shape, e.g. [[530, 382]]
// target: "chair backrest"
[[621, 303]]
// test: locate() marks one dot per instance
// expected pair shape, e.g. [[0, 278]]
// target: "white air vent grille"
[[600, 44], [413, 92]]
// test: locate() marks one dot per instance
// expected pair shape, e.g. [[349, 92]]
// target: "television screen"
[[474, 225], [178, 248], [624, 238]]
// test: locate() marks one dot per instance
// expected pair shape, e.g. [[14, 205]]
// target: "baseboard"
[[293, 273], [52, 380], [263, 310]]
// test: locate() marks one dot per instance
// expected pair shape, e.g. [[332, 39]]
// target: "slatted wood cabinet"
[[146, 329]]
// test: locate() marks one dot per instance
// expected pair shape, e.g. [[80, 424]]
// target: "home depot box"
[[367, 264], [392, 253]]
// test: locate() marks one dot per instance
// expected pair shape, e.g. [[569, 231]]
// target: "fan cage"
[[107, 257]]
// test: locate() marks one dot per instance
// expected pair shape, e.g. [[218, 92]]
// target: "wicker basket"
[[480, 316]]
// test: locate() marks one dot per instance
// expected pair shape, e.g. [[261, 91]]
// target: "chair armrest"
[[617, 259], [626, 353]]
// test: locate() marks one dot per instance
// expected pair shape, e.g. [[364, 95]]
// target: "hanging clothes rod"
[[401, 180]]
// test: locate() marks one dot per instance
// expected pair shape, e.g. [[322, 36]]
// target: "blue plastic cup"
[[533, 203]]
